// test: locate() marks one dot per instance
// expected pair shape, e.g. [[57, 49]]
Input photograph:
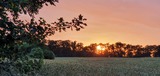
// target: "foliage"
[[49, 54], [17, 7], [69, 48], [65, 48], [22, 41], [21, 60]]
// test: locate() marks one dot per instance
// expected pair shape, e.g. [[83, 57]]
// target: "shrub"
[[49, 54], [22, 61]]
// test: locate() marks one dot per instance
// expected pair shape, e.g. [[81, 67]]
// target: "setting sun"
[[100, 49]]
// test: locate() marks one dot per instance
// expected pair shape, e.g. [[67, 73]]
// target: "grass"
[[100, 66]]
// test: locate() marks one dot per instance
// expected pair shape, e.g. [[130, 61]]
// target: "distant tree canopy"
[[69, 48], [22, 41]]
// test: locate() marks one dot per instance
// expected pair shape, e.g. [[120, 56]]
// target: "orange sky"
[[109, 21]]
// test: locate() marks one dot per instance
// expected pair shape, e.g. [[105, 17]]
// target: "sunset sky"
[[109, 21]]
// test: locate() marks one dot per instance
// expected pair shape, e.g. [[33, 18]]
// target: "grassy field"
[[99, 66]]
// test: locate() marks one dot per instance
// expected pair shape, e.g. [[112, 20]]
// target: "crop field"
[[101, 66]]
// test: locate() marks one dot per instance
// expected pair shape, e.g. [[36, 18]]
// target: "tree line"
[[69, 48]]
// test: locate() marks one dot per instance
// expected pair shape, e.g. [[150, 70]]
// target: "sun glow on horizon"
[[100, 49]]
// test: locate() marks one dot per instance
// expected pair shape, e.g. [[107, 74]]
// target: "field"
[[100, 66]]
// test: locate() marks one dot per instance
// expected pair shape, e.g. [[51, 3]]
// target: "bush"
[[23, 60], [49, 54]]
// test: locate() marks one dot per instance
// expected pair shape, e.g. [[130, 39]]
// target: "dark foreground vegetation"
[[101, 66], [22, 42], [69, 48]]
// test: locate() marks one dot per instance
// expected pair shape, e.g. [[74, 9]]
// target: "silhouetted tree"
[[119, 49], [157, 54], [20, 40]]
